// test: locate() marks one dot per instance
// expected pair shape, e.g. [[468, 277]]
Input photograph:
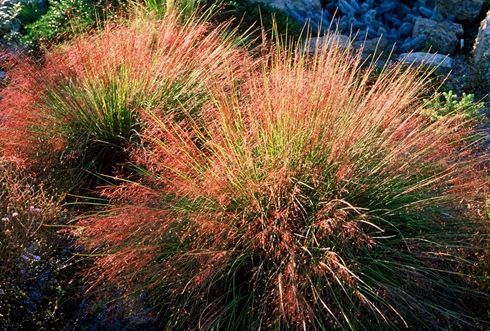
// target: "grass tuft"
[[80, 108]]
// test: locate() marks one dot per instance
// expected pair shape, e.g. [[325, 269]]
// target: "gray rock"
[[278, 4], [369, 46], [427, 59], [461, 9], [372, 46], [481, 51], [312, 44], [442, 37], [395, 20], [3, 74], [288, 5]]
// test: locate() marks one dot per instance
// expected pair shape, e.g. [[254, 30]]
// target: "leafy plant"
[[310, 197], [9, 20], [30, 12], [64, 18], [443, 104]]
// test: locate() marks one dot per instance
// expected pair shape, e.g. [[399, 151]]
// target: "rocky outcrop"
[[441, 37], [481, 51], [466, 10], [408, 25]]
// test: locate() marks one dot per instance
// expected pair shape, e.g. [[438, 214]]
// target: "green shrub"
[[64, 18], [245, 14], [443, 104], [30, 12]]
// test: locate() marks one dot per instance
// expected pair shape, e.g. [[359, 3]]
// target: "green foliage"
[[245, 14], [443, 104], [63, 19], [97, 119], [9, 19], [185, 7], [31, 12]]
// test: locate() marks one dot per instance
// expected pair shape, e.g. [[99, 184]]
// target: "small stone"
[[298, 5], [428, 59], [441, 36], [3, 74], [412, 44]]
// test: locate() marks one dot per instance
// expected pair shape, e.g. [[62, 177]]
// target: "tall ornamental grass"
[[315, 195], [81, 106]]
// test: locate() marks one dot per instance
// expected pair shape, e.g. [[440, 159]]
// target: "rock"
[[462, 76], [442, 37], [288, 5], [369, 46], [410, 25], [3, 74], [481, 51], [428, 59], [278, 4], [411, 44], [303, 11], [312, 44], [467, 10], [372, 46]]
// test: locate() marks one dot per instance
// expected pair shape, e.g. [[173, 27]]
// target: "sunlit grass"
[[81, 108], [312, 196]]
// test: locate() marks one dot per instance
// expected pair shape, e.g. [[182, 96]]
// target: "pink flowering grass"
[[315, 195], [80, 107]]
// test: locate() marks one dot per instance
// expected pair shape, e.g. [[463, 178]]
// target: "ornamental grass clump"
[[314, 196], [81, 106]]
